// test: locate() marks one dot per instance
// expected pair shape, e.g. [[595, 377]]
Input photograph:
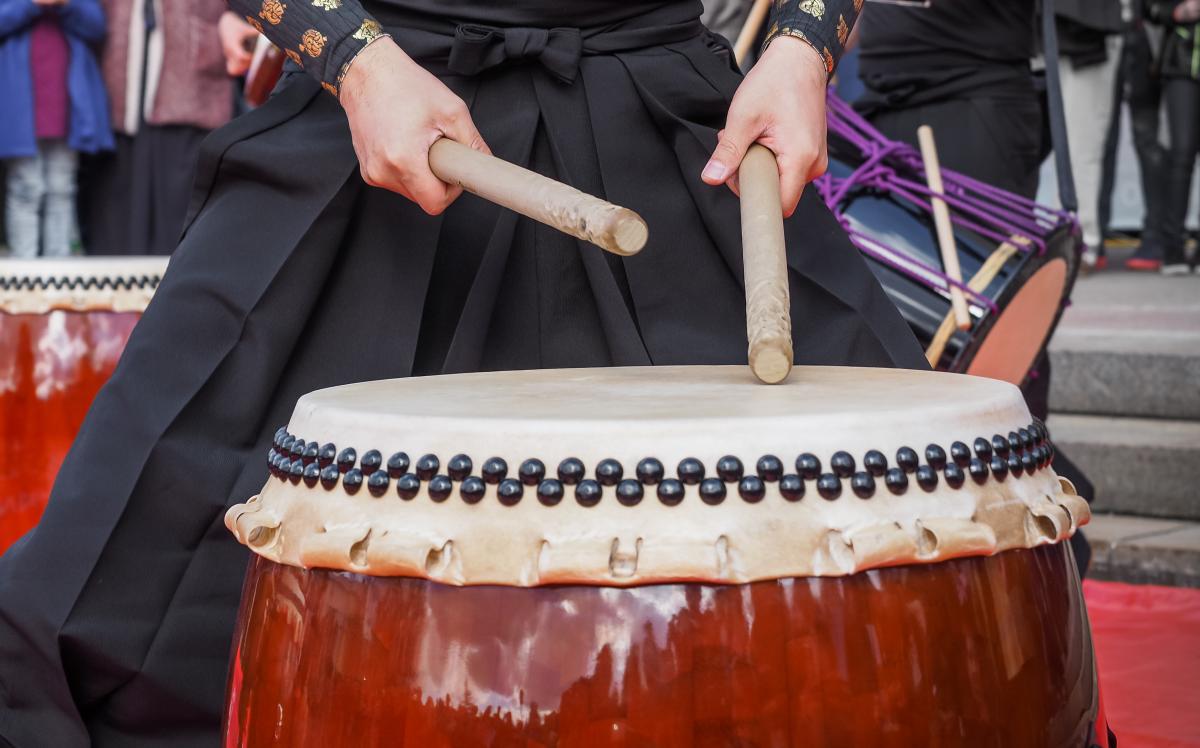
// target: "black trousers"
[[1141, 88], [1182, 96]]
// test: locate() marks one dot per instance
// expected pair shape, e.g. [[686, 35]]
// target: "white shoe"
[[1177, 268]]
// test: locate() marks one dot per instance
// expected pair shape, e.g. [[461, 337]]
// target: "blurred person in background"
[[1090, 38], [52, 107], [166, 64], [1139, 85], [962, 67], [726, 17], [1179, 66]]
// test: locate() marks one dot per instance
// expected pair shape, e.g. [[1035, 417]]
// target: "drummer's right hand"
[[397, 110]]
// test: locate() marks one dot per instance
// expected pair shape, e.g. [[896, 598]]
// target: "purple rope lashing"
[[894, 167]]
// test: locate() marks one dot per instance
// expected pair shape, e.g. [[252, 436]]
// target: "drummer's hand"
[[237, 39], [397, 110], [780, 104]]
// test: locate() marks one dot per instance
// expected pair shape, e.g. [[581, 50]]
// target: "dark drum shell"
[[979, 651]]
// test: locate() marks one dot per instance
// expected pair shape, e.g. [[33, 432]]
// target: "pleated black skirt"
[[117, 611]]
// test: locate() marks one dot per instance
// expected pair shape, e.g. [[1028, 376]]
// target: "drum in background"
[[1018, 258], [63, 325], [666, 556], [265, 68]]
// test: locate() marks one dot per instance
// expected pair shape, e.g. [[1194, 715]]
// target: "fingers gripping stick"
[[768, 303], [610, 227]]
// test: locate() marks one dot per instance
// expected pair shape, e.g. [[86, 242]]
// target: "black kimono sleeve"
[[824, 24], [322, 36]]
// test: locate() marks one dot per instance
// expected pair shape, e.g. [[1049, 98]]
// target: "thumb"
[[732, 143]]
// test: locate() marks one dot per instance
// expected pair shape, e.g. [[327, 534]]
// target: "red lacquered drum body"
[[662, 556], [972, 652], [63, 325]]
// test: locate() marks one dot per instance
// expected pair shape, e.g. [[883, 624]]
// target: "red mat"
[[1148, 647]]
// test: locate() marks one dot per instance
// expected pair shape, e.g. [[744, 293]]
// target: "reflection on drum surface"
[[51, 366], [975, 651]]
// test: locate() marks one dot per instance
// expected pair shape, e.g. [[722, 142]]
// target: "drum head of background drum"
[[643, 475], [1023, 327]]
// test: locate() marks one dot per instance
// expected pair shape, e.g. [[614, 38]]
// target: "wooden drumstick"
[[749, 32], [768, 303], [945, 231], [610, 227]]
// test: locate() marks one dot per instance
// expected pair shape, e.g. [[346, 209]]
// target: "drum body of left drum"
[[63, 325]]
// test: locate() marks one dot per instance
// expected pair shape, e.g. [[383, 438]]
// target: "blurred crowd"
[[1154, 62], [1139, 54], [104, 103]]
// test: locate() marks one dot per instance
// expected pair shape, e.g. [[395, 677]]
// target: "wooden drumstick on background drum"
[[945, 231], [749, 32], [583, 216], [768, 302]]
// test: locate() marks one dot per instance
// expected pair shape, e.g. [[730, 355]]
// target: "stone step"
[[1119, 377], [1140, 550], [1140, 466], [1129, 345]]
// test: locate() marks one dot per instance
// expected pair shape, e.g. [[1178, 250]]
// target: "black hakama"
[[117, 611]]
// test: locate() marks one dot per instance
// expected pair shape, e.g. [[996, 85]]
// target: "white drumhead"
[[118, 284], [463, 529]]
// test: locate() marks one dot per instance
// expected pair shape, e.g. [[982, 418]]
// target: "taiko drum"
[[1018, 258], [669, 556], [63, 325]]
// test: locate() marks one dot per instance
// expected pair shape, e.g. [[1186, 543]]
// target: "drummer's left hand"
[[780, 104]]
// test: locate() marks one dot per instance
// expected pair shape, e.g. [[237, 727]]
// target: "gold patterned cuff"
[[374, 37], [823, 53]]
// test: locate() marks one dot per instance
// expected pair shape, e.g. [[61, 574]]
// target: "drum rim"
[[79, 284], [419, 530]]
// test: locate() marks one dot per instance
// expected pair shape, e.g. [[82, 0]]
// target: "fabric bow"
[[477, 48]]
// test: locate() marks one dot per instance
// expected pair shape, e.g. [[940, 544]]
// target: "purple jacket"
[[82, 21]]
